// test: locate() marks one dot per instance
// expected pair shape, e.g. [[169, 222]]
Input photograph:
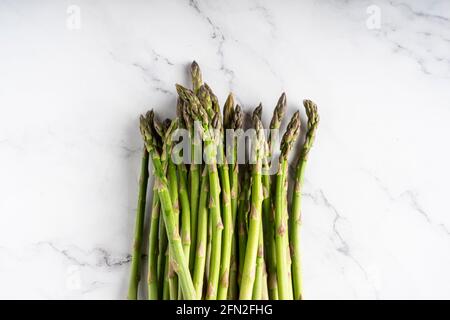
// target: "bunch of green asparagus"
[[220, 229]]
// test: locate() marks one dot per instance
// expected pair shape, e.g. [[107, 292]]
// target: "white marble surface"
[[376, 209]]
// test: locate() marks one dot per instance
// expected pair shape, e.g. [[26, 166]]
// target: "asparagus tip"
[[238, 118], [291, 134], [282, 99], [228, 111], [258, 111]]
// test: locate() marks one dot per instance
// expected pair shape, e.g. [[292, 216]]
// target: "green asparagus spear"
[[259, 276], [287, 142], [313, 121], [139, 228], [153, 293], [162, 263], [199, 269], [242, 221], [179, 261], [166, 289], [173, 190], [195, 167], [248, 275], [184, 196], [257, 286], [214, 188], [237, 123], [268, 213], [198, 111], [227, 241], [265, 290]]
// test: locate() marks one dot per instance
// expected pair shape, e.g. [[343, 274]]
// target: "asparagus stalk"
[[265, 290], [234, 166], [257, 286], [184, 196], [185, 214], [166, 290], [152, 276], [139, 228], [227, 242], [248, 275], [268, 213], [281, 239], [313, 121], [194, 172], [233, 290], [180, 265], [227, 232], [209, 240], [242, 222], [237, 122], [218, 227], [208, 102], [173, 283], [157, 248], [259, 277], [173, 191], [162, 248], [162, 262], [199, 269], [198, 111]]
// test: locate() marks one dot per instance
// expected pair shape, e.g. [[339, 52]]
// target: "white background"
[[73, 81]]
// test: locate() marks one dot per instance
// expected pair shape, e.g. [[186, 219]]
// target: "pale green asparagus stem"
[[259, 277], [173, 283], [152, 277], [213, 279], [237, 123], [265, 290], [198, 112], [281, 239], [166, 290], [313, 121], [185, 214], [162, 235], [194, 183], [185, 211], [227, 233], [242, 224], [257, 287], [288, 249], [173, 190], [248, 275], [233, 290], [227, 240], [214, 188], [165, 131], [139, 228], [199, 268], [179, 264], [268, 212], [195, 166], [162, 249], [209, 241]]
